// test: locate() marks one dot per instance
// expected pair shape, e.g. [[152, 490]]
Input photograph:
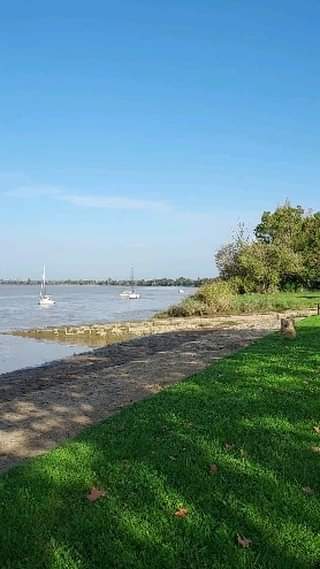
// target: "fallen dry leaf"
[[243, 541], [316, 429], [213, 469], [228, 446], [315, 449], [307, 490], [181, 513], [95, 494]]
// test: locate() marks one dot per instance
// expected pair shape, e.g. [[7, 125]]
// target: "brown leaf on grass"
[[228, 446], [213, 469], [315, 449], [308, 491], [95, 494], [316, 429], [181, 513], [243, 541]]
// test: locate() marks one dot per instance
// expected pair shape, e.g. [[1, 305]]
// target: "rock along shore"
[[104, 334], [96, 335]]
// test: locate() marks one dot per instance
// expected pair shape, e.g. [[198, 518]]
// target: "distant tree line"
[[181, 282], [284, 253]]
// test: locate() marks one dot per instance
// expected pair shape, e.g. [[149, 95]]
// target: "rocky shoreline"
[[109, 333], [96, 335], [40, 407]]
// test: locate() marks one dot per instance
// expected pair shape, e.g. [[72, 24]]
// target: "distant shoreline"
[[186, 283]]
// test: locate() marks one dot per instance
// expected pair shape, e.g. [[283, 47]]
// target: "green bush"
[[199, 305], [189, 307], [240, 285], [217, 296]]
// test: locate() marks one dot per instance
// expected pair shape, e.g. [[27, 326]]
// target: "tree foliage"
[[285, 253]]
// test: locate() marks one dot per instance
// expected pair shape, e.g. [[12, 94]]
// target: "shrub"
[[240, 285], [189, 307], [217, 296]]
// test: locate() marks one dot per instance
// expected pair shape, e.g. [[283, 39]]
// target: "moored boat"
[[44, 298], [131, 294]]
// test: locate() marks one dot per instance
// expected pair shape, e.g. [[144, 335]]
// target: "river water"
[[19, 309]]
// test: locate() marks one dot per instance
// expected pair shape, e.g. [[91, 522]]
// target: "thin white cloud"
[[89, 201]]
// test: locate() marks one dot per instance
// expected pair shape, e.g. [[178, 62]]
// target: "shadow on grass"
[[154, 458], [43, 406]]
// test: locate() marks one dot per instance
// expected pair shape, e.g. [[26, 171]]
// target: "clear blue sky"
[[141, 132]]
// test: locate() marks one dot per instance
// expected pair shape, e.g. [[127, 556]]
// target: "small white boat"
[[134, 295], [125, 293], [131, 294], [44, 298], [181, 291]]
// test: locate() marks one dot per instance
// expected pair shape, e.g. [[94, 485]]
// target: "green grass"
[[246, 303], [276, 302], [154, 457]]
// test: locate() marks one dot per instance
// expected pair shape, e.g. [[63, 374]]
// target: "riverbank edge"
[[103, 334]]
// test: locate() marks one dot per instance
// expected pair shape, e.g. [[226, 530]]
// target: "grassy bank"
[[274, 302], [251, 415], [198, 305]]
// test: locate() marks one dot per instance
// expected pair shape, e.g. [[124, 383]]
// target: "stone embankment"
[[96, 335], [104, 334]]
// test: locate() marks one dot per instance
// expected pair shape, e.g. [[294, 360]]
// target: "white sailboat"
[[44, 298], [134, 295], [131, 294], [125, 293]]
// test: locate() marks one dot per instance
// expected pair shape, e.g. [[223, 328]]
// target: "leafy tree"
[[285, 252], [227, 257], [267, 266], [283, 226], [311, 251]]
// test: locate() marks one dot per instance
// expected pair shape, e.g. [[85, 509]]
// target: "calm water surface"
[[19, 309]]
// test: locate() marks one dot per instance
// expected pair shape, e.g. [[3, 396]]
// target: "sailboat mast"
[[44, 284]]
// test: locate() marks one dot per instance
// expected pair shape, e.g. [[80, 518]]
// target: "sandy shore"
[[40, 407]]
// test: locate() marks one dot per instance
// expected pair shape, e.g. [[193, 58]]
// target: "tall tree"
[[285, 251], [283, 226]]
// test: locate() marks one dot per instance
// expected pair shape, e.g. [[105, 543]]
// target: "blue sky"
[[141, 132]]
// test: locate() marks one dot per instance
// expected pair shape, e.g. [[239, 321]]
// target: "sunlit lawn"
[[277, 301], [256, 303], [155, 457]]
